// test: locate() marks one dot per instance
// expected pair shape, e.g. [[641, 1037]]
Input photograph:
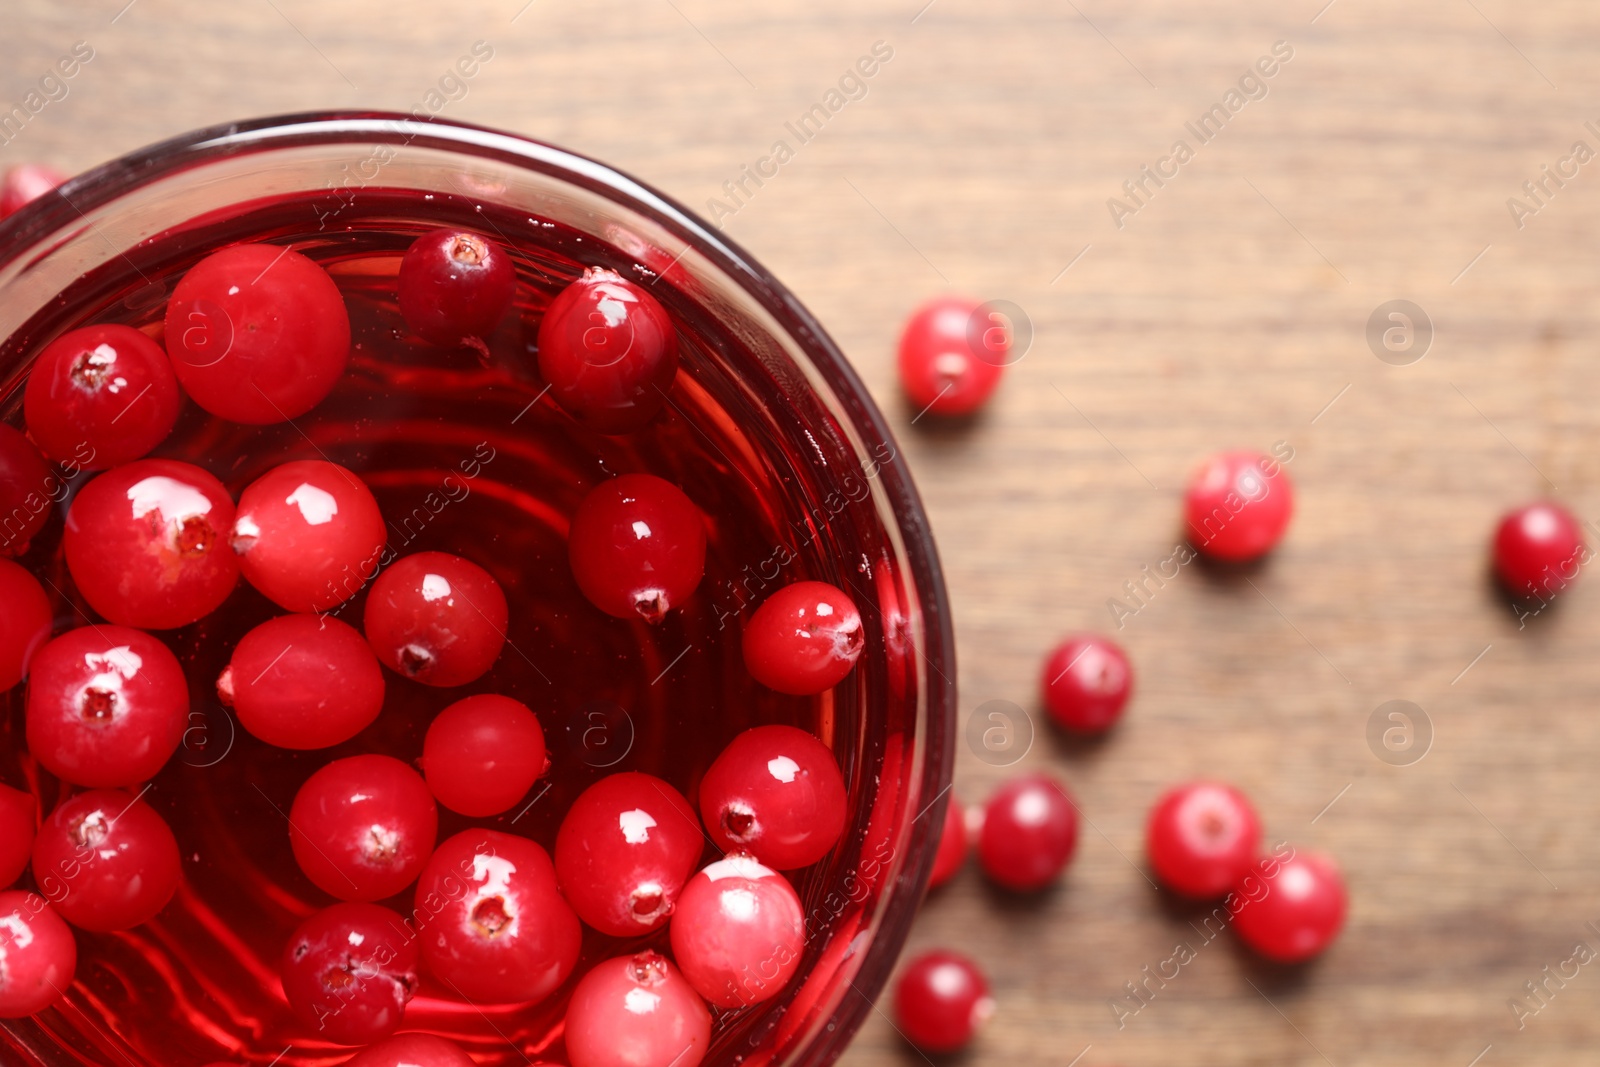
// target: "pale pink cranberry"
[[308, 535], [636, 1011], [413, 1050], [24, 625], [952, 852], [637, 546], [608, 352], [24, 183], [19, 814], [303, 681], [106, 860], [804, 639], [738, 932], [25, 492], [147, 544], [625, 848], [494, 927], [38, 955], [481, 755], [775, 792], [101, 396], [349, 971], [363, 827], [437, 619], [107, 706], [257, 334]]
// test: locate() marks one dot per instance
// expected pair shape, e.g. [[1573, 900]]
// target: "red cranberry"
[[1290, 909], [941, 1002], [349, 971], [495, 929], [303, 681], [1087, 681], [1538, 550], [625, 848], [106, 860], [803, 639], [950, 362], [1237, 505], [26, 486], [638, 547], [258, 334], [737, 932], [775, 792], [454, 285], [608, 351], [1202, 838], [101, 396], [25, 183], [362, 827], [413, 1050], [636, 1011], [24, 625], [952, 853], [107, 706], [147, 544], [482, 754], [18, 815], [308, 535], [1030, 828], [437, 619], [37, 955]]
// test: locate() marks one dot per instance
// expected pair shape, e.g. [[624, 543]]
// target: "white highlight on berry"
[[641, 530], [783, 768], [738, 866], [635, 826], [172, 498], [317, 506], [739, 904], [435, 587], [641, 1001]]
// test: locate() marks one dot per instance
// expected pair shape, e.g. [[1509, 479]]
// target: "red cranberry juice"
[[465, 454]]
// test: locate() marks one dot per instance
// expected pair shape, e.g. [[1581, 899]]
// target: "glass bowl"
[[767, 396]]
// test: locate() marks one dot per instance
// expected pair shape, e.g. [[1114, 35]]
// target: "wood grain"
[[1229, 311]]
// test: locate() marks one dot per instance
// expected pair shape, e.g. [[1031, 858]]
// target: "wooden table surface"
[[1229, 310]]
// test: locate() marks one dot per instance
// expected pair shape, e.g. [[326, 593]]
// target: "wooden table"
[[1230, 309]]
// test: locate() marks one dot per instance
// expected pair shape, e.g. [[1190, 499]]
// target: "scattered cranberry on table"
[[952, 853], [24, 625], [637, 547], [455, 286], [308, 535], [38, 955], [738, 932], [941, 1001], [107, 706], [107, 860], [363, 827], [1299, 911], [775, 792], [413, 1050], [1238, 506], [147, 544], [482, 754], [494, 926], [26, 498], [804, 639], [1202, 838], [625, 849], [18, 812], [608, 351], [24, 183], [349, 971], [636, 1011], [437, 619], [950, 358], [258, 334], [1538, 550], [1087, 681], [303, 682], [1030, 829], [101, 396]]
